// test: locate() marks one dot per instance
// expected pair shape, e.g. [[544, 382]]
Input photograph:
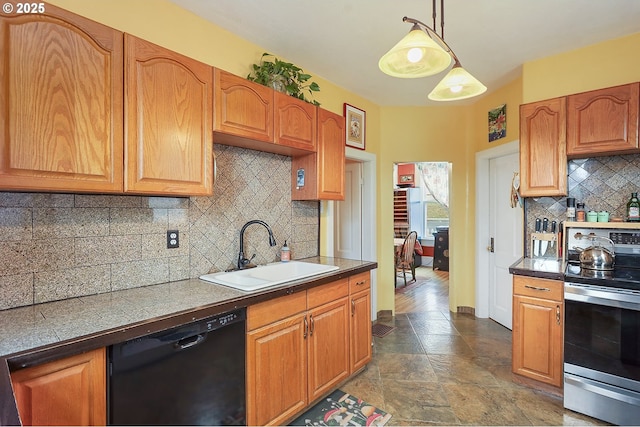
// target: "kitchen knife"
[[544, 243], [536, 243], [554, 225]]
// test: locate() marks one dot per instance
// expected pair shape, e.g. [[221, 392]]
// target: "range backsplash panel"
[[601, 183], [58, 246]]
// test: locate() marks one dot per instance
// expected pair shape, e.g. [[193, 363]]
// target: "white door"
[[348, 228], [505, 227]]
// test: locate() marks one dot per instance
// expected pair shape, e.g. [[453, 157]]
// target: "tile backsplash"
[[58, 246], [601, 183]]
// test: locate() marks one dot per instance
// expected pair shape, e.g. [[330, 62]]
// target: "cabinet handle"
[[306, 328], [353, 307], [558, 314], [312, 325], [361, 283], [535, 288]]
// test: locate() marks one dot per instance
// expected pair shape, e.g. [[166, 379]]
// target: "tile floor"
[[443, 368]]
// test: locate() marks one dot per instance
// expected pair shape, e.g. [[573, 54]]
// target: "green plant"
[[284, 77]]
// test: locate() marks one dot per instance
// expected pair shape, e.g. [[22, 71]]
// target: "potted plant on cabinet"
[[283, 77]]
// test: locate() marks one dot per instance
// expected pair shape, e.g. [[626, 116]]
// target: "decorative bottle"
[[633, 208]]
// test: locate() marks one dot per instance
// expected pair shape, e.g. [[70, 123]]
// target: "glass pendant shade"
[[416, 55], [457, 84]]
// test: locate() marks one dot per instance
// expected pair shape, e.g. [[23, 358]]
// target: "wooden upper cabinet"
[[603, 122], [169, 110], [543, 158], [320, 176], [331, 155], [244, 110], [60, 104], [70, 391], [295, 122]]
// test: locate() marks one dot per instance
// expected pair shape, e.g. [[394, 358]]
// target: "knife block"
[[551, 252]]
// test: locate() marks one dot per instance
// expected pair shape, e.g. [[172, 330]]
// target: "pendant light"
[[416, 55], [424, 53]]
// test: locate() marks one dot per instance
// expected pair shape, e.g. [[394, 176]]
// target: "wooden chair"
[[405, 257]]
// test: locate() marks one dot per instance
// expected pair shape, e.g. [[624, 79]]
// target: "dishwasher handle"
[[191, 341]]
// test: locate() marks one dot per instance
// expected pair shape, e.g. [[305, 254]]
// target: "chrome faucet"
[[246, 262]]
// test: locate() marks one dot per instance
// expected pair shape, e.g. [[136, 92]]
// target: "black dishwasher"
[[189, 375]]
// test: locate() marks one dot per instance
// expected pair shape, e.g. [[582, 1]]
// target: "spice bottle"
[[285, 253], [571, 209], [581, 214], [633, 208]]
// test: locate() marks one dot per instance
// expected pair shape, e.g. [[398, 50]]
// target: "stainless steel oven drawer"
[[606, 402]]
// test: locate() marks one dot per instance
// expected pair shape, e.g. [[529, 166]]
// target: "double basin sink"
[[253, 279]]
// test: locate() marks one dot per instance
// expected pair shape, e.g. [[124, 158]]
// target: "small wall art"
[[498, 122], [355, 125]]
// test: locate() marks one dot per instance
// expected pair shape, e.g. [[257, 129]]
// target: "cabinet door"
[[242, 109], [295, 122], [70, 391], [277, 371], [169, 109], [60, 104], [537, 339], [603, 122], [328, 347], [543, 158], [360, 330], [322, 172], [331, 156]]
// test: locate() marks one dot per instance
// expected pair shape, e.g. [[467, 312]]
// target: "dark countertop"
[[45, 332], [544, 268]]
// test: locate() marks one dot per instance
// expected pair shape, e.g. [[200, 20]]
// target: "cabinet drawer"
[[359, 282], [538, 288], [273, 310], [327, 293]]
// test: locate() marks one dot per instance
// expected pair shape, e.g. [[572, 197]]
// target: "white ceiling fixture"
[[423, 53], [342, 40]]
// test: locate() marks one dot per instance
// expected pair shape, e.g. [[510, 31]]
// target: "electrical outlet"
[[173, 239]]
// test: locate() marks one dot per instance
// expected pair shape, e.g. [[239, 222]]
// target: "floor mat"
[[379, 330], [342, 409]]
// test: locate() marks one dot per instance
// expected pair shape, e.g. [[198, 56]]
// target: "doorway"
[[421, 204], [496, 219], [331, 226]]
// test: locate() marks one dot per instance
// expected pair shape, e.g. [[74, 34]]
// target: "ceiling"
[[342, 40]]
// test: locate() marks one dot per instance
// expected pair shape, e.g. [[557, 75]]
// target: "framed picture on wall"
[[355, 125]]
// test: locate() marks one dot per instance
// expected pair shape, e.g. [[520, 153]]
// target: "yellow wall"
[[444, 133], [427, 134], [610, 63]]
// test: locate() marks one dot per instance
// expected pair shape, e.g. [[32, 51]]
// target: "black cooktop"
[[626, 273]]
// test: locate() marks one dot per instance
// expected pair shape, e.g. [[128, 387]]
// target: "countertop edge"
[[538, 267]]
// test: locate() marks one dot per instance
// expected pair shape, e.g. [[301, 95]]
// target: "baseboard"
[[466, 310], [385, 315]]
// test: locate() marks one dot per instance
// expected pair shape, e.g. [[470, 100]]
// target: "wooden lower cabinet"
[[328, 356], [277, 371], [360, 321], [298, 349], [538, 317], [69, 391]]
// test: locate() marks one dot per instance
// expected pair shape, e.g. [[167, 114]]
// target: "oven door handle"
[[609, 297], [603, 389]]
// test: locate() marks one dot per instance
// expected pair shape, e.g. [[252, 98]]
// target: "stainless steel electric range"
[[602, 330]]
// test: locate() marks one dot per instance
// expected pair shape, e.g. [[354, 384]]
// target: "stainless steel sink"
[[253, 279]]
